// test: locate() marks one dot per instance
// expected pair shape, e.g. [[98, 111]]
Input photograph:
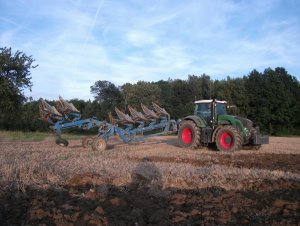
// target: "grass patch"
[[32, 136]]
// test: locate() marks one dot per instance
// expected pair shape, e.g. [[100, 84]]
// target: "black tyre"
[[228, 139], [189, 134], [99, 144], [87, 142], [61, 142]]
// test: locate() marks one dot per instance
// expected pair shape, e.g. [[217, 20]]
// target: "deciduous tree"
[[15, 71]]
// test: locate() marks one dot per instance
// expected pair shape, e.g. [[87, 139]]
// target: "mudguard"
[[199, 121]]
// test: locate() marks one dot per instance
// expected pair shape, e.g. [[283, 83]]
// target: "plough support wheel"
[[99, 144], [61, 142], [87, 142]]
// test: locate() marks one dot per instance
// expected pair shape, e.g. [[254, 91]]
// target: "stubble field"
[[153, 182]]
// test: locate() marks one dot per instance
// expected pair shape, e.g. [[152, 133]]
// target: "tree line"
[[271, 99]]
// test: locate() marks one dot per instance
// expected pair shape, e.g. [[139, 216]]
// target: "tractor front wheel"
[[228, 139], [99, 144], [189, 134]]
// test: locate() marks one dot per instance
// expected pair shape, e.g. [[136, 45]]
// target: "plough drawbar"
[[129, 127]]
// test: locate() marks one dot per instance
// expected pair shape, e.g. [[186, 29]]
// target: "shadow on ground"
[[89, 199]]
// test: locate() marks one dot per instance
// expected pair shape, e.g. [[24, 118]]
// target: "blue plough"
[[127, 127]]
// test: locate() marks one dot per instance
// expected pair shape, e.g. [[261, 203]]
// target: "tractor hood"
[[246, 122]]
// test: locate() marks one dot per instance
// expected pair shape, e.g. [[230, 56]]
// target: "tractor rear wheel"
[[228, 139], [189, 134], [87, 142], [99, 144]]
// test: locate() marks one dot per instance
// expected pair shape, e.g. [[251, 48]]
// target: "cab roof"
[[210, 101]]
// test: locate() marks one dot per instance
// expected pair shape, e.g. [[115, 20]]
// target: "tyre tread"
[[196, 143], [237, 136]]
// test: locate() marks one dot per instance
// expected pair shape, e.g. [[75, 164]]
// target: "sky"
[[77, 42]]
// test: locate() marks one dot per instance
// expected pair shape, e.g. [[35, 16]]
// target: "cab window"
[[220, 109], [204, 110]]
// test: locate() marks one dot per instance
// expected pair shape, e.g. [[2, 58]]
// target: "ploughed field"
[[153, 182]]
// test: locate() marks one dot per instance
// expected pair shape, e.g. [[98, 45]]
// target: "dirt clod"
[[151, 183]]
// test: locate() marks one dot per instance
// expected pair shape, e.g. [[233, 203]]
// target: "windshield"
[[220, 109]]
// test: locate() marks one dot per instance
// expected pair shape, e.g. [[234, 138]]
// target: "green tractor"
[[211, 124]]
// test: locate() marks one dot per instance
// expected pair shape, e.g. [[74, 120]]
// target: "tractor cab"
[[209, 110]]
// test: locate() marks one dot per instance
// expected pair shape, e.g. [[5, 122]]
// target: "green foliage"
[[23, 136], [201, 87], [271, 99], [234, 92], [107, 96], [29, 119], [31, 136], [274, 100], [165, 94], [182, 99], [141, 92], [14, 79]]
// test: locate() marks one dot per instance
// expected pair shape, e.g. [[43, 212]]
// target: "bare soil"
[[153, 182]]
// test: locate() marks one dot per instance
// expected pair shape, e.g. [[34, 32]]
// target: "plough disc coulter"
[[127, 127]]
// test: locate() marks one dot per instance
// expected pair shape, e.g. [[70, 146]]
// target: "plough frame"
[[67, 116]]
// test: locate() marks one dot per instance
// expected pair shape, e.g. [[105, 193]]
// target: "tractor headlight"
[[247, 133]]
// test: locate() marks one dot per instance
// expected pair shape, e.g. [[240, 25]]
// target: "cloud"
[[140, 38], [77, 44]]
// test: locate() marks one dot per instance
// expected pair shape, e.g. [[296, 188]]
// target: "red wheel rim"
[[187, 136], [226, 140]]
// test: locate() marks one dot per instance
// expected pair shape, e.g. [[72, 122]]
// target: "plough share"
[[128, 127]]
